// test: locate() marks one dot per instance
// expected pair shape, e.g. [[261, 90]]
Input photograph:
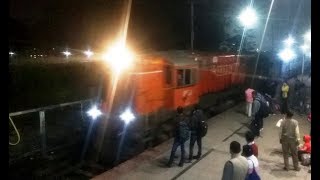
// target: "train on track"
[[151, 88], [158, 83]]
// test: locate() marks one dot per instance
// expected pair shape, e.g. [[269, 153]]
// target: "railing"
[[42, 119]]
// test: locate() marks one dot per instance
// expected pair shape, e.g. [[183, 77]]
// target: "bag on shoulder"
[[203, 128], [264, 109], [202, 124], [254, 175]]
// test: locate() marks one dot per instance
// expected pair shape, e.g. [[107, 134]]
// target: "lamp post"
[[304, 49], [287, 54], [248, 19]]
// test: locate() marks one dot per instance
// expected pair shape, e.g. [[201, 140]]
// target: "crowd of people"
[[242, 166], [245, 165]]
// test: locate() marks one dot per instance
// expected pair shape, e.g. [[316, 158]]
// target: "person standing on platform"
[[182, 134], [237, 167], [289, 139], [249, 100], [260, 110], [196, 131]]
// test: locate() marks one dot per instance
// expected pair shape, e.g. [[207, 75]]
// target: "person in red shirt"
[[306, 148], [309, 119], [250, 140]]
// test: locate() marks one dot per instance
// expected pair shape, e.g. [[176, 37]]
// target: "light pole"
[[287, 54], [304, 49], [261, 43], [248, 19], [192, 30]]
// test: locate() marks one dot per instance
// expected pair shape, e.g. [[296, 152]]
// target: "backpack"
[[203, 128], [202, 124], [264, 109], [254, 175]]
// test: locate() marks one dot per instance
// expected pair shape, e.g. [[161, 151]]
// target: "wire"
[[15, 128]]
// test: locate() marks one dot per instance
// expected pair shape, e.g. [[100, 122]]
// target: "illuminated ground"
[[223, 129]]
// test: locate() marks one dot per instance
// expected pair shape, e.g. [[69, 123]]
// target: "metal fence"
[[57, 126]]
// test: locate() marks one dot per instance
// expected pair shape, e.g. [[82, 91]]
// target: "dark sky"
[[161, 24], [154, 24]]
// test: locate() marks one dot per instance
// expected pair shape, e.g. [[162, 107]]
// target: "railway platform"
[[223, 128]]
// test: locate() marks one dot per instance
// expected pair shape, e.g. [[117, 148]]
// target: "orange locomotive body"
[[154, 87], [166, 80]]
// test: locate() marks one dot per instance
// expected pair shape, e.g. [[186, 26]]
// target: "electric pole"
[[192, 31]]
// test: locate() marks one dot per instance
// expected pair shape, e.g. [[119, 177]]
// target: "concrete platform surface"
[[223, 128]]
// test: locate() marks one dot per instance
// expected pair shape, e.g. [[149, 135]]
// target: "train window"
[[186, 77], [180, 77], [194, 76], [167, 71]]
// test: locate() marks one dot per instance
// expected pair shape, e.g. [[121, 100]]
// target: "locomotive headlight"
[[94, 112], [127, 116], [119, 57]]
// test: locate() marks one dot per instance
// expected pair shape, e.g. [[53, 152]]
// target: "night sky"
[[154, 24], [161, 24]]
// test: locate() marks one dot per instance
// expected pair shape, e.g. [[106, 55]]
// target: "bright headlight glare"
[[94, 112], [119, 57], [127, 116]]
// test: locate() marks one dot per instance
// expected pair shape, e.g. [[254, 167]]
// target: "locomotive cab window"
[[186, 77], [168, 74]]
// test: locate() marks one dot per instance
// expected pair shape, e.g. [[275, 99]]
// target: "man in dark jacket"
[[181, 136], [197, 117]]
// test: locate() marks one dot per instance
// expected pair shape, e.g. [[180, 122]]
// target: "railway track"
[[65, 163]]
